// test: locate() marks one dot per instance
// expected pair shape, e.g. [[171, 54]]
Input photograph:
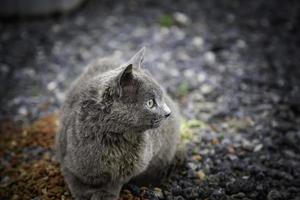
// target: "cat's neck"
[[106, 130], [121, 138]]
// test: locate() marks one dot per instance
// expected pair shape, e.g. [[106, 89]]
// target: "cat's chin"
[[156, 125], [151, 126]]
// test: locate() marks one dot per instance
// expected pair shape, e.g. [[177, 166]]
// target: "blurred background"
[[232, 65]]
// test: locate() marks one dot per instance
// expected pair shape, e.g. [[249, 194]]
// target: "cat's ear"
[[124, 79], [138, 58]]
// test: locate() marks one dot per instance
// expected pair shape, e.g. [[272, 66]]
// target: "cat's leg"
[[180, 155], [78, 190], [155, 174], [161, 167], [81, 191], [110, 192]]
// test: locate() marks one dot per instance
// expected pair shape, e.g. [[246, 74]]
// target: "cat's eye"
[[150, 103]]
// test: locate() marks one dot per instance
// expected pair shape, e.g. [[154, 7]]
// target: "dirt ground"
[[231, 65]]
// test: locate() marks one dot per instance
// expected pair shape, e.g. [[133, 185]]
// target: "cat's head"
[[137, 102]]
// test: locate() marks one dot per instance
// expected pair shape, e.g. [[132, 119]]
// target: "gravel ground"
[[231, 65]]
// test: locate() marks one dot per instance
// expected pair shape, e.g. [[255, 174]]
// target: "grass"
[[189, 129], [183, 89], [166, 21]]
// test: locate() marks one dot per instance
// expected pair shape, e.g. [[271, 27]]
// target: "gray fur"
[[108, 136]]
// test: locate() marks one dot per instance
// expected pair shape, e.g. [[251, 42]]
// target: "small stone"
[[44, 191], [13, 143], [230, 17], [188, 73], [241, 44], [158, 193], [215, 141], [197, 157], [201, 77], [204, 151], [4, 69], [23, 111], [179, 198], [126, 192], [258, 147], [217, 194], [206, 89], [183, 56], [274, 195], [29, 72], [246, 144], [291, 138], [190, 193], [144, 188], [232, 157], [192, 166], [226, 142], [52, 85], [259, 187], [198, 42], [24, 133], [201, 175], [231, 149], [56, 28], [60, 96], [128, 196], [80, 20], [210, 57], [239, 195], [182, 18]]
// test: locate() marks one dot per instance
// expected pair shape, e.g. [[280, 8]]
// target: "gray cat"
[[117, 125]]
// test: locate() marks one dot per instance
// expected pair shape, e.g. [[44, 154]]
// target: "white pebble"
[[52, 85], [188, 73], [206, 89], [198, 42], [182, 18], [201, 77], [258, 147], [210, 57], [23, 111]]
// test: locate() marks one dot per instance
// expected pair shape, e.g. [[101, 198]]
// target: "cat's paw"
[[108, 193], [103, 196]]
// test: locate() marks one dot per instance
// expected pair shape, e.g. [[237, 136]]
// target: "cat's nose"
[[166, 110], [168, 114]]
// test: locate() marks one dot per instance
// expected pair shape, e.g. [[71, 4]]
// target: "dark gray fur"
[[108, 136]]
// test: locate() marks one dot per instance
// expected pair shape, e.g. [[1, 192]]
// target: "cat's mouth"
[[156, 123]]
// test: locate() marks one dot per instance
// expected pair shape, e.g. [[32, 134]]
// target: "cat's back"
[[77, 91], [100, 66]]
